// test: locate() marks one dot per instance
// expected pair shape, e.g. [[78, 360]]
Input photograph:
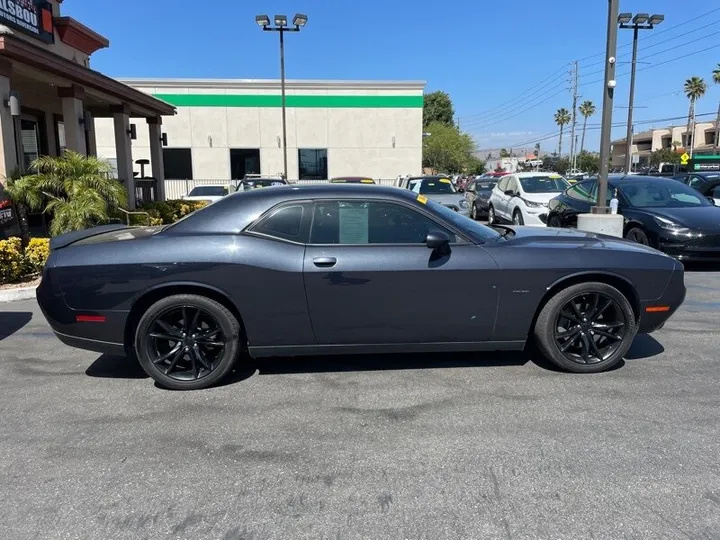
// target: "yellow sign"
[[445, 181], [684, 159], [422, 199]]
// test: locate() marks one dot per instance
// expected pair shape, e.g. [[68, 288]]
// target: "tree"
[[716, 80], [664, 155], [77, 190], [562, 117], [475, 166], [446, 149], [24, 196], [589, 162], [562, 166], [504, 153], [438, 108], [695, 88], [587, 109]]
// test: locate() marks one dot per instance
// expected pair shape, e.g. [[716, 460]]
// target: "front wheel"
[[518, 218], [187, 342], [586, 328], [636, 234], [491, 215], [554, 222], [473, 212]]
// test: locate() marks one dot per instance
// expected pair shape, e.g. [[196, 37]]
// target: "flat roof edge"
[[273, 83]]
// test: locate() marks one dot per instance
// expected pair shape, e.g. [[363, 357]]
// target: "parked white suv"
[[522, 198]]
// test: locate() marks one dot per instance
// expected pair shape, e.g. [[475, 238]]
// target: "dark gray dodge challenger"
[[340, 269]]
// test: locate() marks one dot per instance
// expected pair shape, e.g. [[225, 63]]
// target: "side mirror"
[[510, 193], [461, 190], [438, 241]]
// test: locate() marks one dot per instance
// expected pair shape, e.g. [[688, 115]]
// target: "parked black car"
[[659, 212], [339, 269], [477, 193], [707, 183]]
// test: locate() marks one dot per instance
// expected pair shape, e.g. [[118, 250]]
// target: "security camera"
[[612, 83], [611, 59]]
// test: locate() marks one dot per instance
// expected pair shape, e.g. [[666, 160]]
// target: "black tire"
[[473, 212], [636, 234], [491, 215], [518, 217], [207, 345], [606, 338], [554, 222]]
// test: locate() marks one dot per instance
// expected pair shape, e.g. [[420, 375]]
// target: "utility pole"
[[717, 129], [458, 123], [575, 78]]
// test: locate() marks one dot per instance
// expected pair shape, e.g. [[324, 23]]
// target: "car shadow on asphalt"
[[115, 367], [702, 266], [12, 321]]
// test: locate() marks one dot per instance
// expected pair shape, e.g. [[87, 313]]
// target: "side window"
[[695, 181], [582, 192], [370, 222], [285, 223], [471, 187], [512, 185], [502, 184], [414, 185], [715, 193]]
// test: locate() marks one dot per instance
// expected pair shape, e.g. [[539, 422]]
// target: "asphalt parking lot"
[[396, 447]]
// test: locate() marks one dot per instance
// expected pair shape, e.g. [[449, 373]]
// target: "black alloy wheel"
[[586, 328], [636, 234], [187, 342]]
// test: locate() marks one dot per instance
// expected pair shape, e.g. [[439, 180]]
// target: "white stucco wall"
[[378, 142]]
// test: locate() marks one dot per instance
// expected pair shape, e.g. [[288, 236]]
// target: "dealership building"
[[225, 129]]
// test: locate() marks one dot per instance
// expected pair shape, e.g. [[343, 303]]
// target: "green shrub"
[[36, 254], [167, 211]]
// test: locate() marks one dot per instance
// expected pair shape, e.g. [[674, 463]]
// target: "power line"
[[537, 104], [504, 111]]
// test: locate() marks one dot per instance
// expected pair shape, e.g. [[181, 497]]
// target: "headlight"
[[532, 204], [671, 226], [463, 203]]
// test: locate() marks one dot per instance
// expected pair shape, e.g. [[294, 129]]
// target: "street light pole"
[[641, 21], [608, 95], [299, 20]]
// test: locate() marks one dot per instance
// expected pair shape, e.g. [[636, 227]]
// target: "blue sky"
[[484, 54]]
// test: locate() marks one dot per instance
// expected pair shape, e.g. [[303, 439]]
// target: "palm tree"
[[695, 88], [716, 80], [24, 196], [79, 191], [587, 109], [562, 117]]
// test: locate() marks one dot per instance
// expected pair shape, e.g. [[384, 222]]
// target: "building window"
[[244, 161], [60, 126], [178, 163], [312, 164]]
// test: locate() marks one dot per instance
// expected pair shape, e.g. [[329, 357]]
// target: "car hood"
[[542, 198], [705, 218], [449, 198], [572, 238]]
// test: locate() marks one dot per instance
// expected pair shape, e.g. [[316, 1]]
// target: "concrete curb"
[[12, 295]]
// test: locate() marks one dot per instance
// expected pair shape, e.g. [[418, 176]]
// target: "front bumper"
[[650, 318], [695, 247], [536, 216]]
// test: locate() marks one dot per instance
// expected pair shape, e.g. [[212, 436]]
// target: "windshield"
[[208, 191], [435, 186], [473, 228], [544, 184], [654, 194]]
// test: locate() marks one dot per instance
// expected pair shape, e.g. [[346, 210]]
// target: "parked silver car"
[[440, 190]]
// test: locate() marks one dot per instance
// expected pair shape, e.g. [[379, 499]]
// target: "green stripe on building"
[[331, 102]]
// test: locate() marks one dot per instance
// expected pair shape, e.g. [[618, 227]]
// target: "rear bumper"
[[672, 298], [106, 336]]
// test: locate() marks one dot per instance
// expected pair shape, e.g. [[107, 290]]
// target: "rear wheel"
[[586, 328], [491, 215], [473, 212], [518, 218], [636, 234], [187, 342]]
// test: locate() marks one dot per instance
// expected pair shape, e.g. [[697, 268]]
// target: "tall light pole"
[[608, 95], [641, 21], [299, 20]]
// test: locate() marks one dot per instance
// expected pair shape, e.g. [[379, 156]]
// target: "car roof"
[[535, 174]]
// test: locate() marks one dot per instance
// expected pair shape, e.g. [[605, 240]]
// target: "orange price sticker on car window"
[[422, 199], [445, 181]]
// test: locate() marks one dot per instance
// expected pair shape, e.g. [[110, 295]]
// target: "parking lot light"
[[641, 18], [262, 20], [656, 19], [624, 18], [280, 21], [300, 20]]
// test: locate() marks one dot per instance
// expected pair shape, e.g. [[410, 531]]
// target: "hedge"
[[166, 212], [16, 263]]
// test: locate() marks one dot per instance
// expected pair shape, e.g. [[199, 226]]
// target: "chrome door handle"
[[325, 262]]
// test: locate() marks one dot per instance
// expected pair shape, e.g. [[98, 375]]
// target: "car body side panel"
[[262, 278], [527, 270]]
